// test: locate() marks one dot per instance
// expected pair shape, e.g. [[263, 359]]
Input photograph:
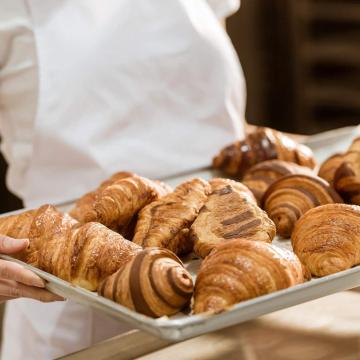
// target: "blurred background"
[[301, 60]]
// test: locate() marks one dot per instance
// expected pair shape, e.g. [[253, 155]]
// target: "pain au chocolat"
[[290, 197], [230, 212], [327, 238], [153, 283], [259, 177], [260, 145], [240, 270]]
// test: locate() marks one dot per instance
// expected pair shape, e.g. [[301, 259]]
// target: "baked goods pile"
[[125, 239]]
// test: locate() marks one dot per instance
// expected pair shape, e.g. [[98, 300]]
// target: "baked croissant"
[[259, 177], [327, 238], [118, 203], [328, 167], [81, 254], [290, 197], [240, 270], [229, 213], [263, 144], [347, 178], [153, 283], [85, 203], [165, 223]]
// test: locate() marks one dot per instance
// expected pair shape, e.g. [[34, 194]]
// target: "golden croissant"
[[328, 167], [81, 254], [240, 270], [86, 202], [229, 213], [347, 178], [260, 145], [327, 238], [165, 222], [117, 204], [259, 177], [290, 197], [153, 283]]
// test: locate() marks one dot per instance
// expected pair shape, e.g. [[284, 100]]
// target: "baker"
[[90, 88]]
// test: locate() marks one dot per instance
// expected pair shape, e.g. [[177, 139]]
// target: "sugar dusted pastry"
[[260, 145], [259, 177], [230, 212], [153, 283], [327, 238], [165, 222], [240, 270], [290, 197]]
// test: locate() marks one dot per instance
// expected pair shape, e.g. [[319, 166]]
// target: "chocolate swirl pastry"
[[166, 222], [327, 238], [230, 212], [153, 283], [347, 178], [262, 175], [260, 145], [240, 270], [290, 197]]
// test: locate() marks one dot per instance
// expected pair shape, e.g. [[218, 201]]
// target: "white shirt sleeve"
[[224, 8]]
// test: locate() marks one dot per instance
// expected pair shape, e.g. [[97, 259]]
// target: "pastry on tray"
[[290, 197], [260, 145], [153, 283], [116, 204], [240, 270], [230, 212], [166, 222], [259, 177], [327, 238], [83, 255]]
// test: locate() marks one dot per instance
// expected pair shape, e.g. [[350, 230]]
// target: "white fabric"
[[149, 86]]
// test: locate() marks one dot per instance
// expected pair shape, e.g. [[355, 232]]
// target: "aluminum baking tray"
[[183, 326]]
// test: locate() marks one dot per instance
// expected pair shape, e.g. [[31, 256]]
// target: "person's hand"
[[15, 281]]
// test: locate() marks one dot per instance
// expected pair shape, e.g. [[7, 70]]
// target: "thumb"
[[9, 245]]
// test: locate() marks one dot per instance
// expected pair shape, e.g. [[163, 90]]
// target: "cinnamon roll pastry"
[[118, 203], [240, 270], [154, 283], [327, 238], [259, 177], [165, 223], [229, 213], [290, 197], [86, 203], [81, 254], [260, 145], [347, 178]]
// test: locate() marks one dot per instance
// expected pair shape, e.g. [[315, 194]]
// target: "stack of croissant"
[[125, 238]]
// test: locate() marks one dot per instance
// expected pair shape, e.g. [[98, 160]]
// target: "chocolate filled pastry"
[[166, 222], [290, 197], [261, 176], [260, 145], [81, 254], [230, 212], [87, 201], [153, 283], [240, 270], [116, 205], [327, 238], [347, 178]]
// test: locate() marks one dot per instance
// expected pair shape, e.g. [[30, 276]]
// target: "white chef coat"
[[152, 87]]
